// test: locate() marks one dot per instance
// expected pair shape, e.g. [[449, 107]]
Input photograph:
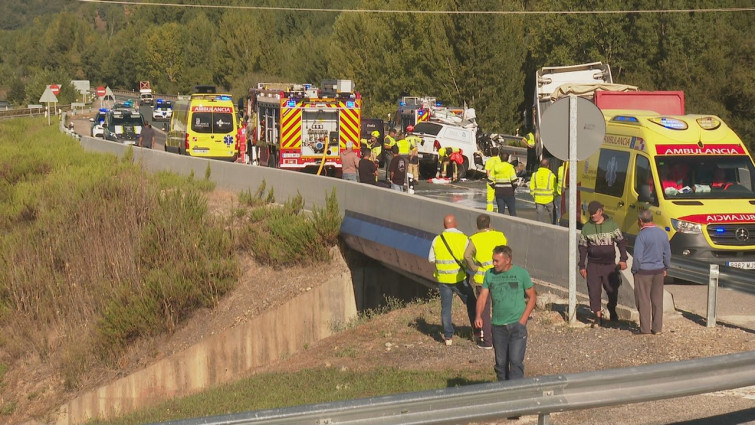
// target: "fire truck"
[[302, 127], [414, 110]]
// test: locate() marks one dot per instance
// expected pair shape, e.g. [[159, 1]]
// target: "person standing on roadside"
[[505, 179], [479, 259], [388, 143], [652, 257], [397, 170], [414, 142], [147, 136], [368, 170], [490, 201], [598, 241], [507, 285], [445, 251], [529, 140], [560, 175], [349, 162], [543, 190]]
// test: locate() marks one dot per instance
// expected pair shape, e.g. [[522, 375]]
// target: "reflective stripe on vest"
[[484, 242], [504, 173], [543, 189], [447, 270]]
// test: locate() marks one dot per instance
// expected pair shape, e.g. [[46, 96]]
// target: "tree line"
[[486, 61]]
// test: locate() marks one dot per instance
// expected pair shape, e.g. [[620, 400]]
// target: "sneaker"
[[484, 346], [449, 342]]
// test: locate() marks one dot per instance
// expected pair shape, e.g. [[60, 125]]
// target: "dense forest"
[[486, 60]]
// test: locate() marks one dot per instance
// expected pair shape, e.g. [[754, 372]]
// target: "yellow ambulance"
[[691, 171], [204, 126]]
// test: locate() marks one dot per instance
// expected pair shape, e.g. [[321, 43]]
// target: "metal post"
[[573, 217], [712, 295], [543, 419]]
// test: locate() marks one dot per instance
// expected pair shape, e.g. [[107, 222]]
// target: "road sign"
[[48, 96], [591, 129], [55, 88], [100, 91]]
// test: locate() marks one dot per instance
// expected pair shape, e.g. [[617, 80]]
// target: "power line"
[[429, 12]]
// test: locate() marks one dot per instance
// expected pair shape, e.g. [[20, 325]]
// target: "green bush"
[[95, 248], [285, 235]]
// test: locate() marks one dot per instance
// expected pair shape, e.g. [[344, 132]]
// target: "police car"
[[123, 125], [163, 110], [98, 123]]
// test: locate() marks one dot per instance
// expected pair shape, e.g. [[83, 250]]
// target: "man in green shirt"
[[507, 285]]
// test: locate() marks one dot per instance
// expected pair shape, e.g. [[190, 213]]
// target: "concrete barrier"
[[540, 248], [224, 357]]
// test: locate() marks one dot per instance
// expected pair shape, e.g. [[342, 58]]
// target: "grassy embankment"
[[95, 254]]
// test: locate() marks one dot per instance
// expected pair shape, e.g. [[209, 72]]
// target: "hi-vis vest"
[[447, 270], [560, 178], [530, 138], [376, 149], [504, 173], [484, 242], [543, 186], [414, 142], [388, 143], [403, 147]]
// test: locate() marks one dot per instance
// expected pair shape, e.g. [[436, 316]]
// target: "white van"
[[436, 135]]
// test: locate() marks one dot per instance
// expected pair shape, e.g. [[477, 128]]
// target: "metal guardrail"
[[20, 113], [135, 95], [540, 396], [699, 272]]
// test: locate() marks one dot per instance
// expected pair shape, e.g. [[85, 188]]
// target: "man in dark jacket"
[[597, 245]]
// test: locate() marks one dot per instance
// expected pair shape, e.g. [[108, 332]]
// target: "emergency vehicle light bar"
[[670, 123], [624, 118], [708, 123]]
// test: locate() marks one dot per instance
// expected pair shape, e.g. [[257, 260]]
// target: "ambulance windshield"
[[706, 176]]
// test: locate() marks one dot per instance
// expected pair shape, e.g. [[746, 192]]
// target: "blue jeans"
[[350, 176], [398, 187], [466, 293], [506, 201], [557, 210], [509, 343]]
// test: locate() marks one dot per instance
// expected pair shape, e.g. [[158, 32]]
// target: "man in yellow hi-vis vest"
[[447, 252], [529, 139], [505, 177], [490, 204], [560, 175], [479, 258], [388, 144], [543, 189]]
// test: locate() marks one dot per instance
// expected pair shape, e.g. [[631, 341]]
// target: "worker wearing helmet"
[[414, 142], [374, 147], [490, 201], [388, 144]]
